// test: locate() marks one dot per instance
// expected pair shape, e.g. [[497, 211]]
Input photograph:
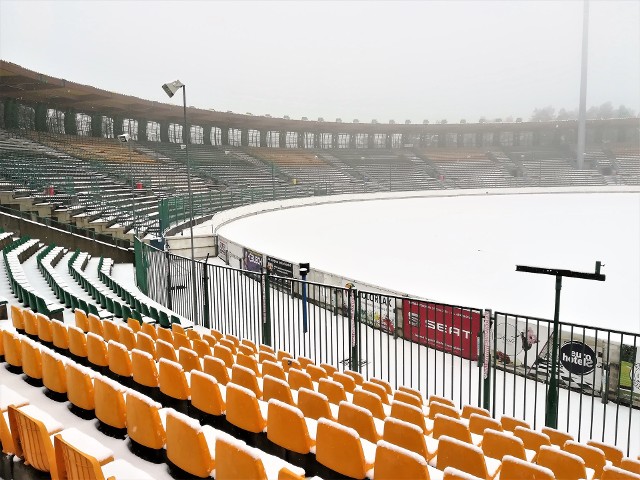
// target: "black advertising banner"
[[252, 261], [280, 268]]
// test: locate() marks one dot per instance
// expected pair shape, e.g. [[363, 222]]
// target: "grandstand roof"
[[32, 87]]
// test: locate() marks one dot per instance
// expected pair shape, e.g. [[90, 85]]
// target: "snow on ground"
[[463, 250]]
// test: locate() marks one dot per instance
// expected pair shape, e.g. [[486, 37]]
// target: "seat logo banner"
[[443, 327], [252, 261]]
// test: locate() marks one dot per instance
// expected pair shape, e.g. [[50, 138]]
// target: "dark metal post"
[[185, 136], [205, 287], [167, 256], [266, 308], [353, 328], [304, 270], [551, 414]]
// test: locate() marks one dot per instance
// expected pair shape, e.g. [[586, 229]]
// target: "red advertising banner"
[[443, 327]]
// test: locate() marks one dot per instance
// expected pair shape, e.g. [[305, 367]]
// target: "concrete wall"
[[21, 227]]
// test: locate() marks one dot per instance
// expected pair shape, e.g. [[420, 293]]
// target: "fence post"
[[266, 308], [168, 263], [486, 358], [353, 329], [205, 287]]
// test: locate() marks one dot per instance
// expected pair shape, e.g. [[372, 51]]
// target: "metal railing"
[[433, 347]]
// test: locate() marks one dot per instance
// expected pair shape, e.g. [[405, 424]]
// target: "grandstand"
[[233, 387]]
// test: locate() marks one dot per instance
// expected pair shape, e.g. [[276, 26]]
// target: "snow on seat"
[[123, 470], [10, 397], [87, 444], [50, 423]]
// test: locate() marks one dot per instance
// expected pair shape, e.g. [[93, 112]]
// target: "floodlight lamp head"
[[124, 138], [172, 87]]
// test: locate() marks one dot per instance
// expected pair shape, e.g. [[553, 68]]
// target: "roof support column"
[[206, 134]]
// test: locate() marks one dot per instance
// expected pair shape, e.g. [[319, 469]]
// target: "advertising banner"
[[252, 260], [281, 268], [630, 368], [223, 250], [378, 310], [449, 329]]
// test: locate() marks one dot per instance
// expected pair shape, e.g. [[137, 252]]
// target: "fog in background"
[[364, 60]]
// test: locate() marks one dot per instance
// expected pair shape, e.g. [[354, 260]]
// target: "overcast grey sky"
[[384, 60]]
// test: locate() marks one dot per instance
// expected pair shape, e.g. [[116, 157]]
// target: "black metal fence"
[[433, 347]]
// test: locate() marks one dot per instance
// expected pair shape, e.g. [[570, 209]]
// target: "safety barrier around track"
[[497, 360]]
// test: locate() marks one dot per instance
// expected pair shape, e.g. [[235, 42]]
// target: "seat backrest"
[[406, 435], [134, 325], [109, 401], [32, 441], [461, 455], [532, 439], [31, 359], [593, 457], [313, 404], [210, 339], [496, 444], [436, 408], [59, 334], [510, 423], [188, 359], [177, 328], [264, 355], [299, 379], [181, 340], [330, 369], [17, 318], [249, 362], [187, 446], [611, 472], [384, 384], [111, 331], [54, 376], [347, 381], [200, 346], [73, 464], [451, 473], [143, 368], [216, 368], [95, 325], [247, 378], [332, 389], [287, 428], [225, 342], [566, 466], [441, 400], [358, 418], [127, 337], [273, 369], [243, 410], [172, 380], [630, 465], [377, 389], [80, 391], [395, 463], [97, 350], [205, 394], [165, 335], [274, 388], [452, 427], [339, 448], [81, 319], [147, 344], [467, 410], [517, 469], [191, 334], [479, 423], [404, 397], [409, 413], [315, 372], [245, 350], [613, 453], [357, 377], [224, 353], [77, 342], [12, 349], [235, 460], [149, 329], [144, 425], [286, 474], [165, 350], [119, 359], [370, 401], [557, 437], [44, 328]]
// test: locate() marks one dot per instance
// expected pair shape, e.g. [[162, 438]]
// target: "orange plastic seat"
[[17, 318], [81, 319], [224, 353], [371, 402], [77, 342], [299, 379], [172, 380], [409, 436], [466, 457], [333, 390], [30, 322], [273, 369], [510, 423], [316, 373], [397, 463], [45, 330], [613, 453], [54, 376], [216, 368], [243, 410], [143, 368], [287, 428], [127, 337], [95, 325], [189, 359], [593, 457], [566, 466], [274, 388], [314, 405], [31, 360], [60, 335], [97, 351], [377, 389], [119, 360], [110, 406], [557, 437], [412, 414], [360, 419], [200, 346], [187, 446], [80, 391], [165, 350], [147, 344], [516, 469], [532, 439], [341, 450], [111, 331], [144, 424], [479, 423], [206, 395]]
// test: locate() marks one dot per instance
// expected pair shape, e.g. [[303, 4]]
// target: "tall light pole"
[[126, 138], [170, 89]]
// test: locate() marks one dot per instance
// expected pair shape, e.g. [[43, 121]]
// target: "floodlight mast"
[[170, 89]]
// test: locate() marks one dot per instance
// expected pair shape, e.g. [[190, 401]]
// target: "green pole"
[[353, 328], [551, 414]]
